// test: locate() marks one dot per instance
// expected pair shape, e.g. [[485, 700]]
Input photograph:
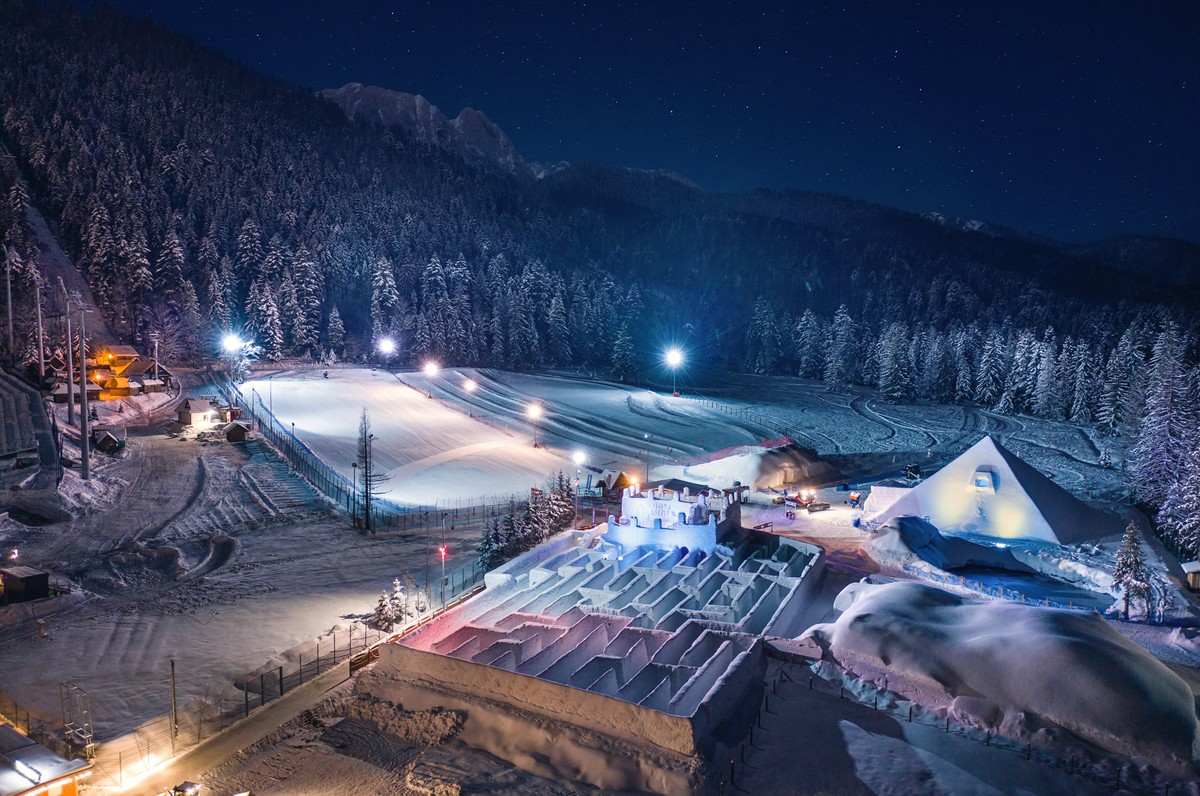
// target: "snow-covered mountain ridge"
[[471, 134]]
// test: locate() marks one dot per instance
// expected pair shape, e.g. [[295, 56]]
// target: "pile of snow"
[[1016, 669], [758, 467]]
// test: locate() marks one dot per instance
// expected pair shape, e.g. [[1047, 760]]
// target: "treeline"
[[199, 197], [528, 523]]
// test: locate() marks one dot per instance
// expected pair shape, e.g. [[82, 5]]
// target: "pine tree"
[[1130, 573], [335, 334], [1161, 449], [1179, 517], [839, 360], [624, 366], [557, 333], [385, 616], [808, 341], [399, 601], [762, 338], [989, 383], [561, 503], [895, 377]]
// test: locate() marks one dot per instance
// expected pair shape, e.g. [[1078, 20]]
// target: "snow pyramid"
[[989, 491]]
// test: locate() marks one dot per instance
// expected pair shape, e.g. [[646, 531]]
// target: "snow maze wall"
[[647, 643]]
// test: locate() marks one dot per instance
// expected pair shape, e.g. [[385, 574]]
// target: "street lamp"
[[431, 371], [387, 347], [674, 358], [534, 413], [442, 553], [579, 458], [233, 346], [470, 386]]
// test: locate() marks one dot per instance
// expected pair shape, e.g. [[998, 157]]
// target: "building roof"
[[678, 485], [990, 491], [22, 571], [1190, 567], [196, 405], [26, 766], [141, 366], [122, 351]]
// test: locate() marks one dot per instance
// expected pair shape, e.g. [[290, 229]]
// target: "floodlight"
[[469, 385], [533, 411], [579, 458], [674, 357], [231, 342], [431, 369], [387, 345]]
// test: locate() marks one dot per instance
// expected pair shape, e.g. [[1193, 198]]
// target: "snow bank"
[[1015, 669]]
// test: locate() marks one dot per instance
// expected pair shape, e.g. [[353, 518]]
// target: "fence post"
[[246, 695], [280, 681], [262, 691]]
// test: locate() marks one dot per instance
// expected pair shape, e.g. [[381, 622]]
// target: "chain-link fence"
[[201, 716]]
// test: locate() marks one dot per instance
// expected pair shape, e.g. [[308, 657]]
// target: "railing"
[[995, 592], [384, 513], [201, 716]]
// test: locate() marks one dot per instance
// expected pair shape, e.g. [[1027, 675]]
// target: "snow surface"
[[297, 570], [1016, 669]]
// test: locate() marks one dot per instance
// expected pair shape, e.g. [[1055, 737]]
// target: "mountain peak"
[[471, 135]]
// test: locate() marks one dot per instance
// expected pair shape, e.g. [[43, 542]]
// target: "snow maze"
[[657, 627]]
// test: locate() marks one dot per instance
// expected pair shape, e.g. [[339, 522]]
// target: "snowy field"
[[158, 582]]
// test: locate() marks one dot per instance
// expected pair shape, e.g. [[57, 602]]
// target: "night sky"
[[1075, 120]]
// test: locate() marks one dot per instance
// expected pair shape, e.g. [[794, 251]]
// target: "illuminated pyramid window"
[[985, 480]]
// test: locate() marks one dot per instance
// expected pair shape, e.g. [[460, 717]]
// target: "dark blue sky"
[[1076, 120]]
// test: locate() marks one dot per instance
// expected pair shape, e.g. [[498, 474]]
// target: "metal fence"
[[995, 592], [201, 716], [384, 513]]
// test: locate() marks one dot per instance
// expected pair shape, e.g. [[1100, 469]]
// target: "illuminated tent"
[[989, 491]]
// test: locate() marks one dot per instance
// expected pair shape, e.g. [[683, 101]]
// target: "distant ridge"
[[471, 135]]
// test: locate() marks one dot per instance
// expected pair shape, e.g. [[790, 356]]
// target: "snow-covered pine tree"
[[1179, 517], [335, 333], [384, 616], [1083, 384], [895, 374], [762, 338], [557, 333], [561, 503], [249, 253], [1159, 455], [624, 366], [840, 354], [989, 382], [1130, 573], [399, 601], [808, 342]]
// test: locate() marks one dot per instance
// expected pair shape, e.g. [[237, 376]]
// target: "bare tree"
[[369, 479]]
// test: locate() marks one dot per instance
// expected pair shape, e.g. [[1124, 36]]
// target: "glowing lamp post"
[[387, 347], [470, 386], [534, 413], [673, 358], [233, 345], [442, 553], [431, 371]]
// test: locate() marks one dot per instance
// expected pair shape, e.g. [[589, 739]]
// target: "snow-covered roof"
[[196, 406], [989, 490], [1191, 567]]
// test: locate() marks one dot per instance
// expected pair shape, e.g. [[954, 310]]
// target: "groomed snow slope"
[[431, 452], [1015, 669]]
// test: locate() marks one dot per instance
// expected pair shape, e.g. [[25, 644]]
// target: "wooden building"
[[196, 410], [21, 584]]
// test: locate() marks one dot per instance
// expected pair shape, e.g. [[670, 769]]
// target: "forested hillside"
[[199, 197]]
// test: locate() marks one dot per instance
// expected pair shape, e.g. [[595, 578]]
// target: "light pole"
[[534, 413], [674, 358], [442, 553], [70, 357], [431, 371], [579, 458], [233, 346], [387, 347], [354, 492]]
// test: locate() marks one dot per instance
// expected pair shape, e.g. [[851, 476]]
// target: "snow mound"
[[1015, 668]]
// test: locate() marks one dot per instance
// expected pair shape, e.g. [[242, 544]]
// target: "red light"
[[442, 551]]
